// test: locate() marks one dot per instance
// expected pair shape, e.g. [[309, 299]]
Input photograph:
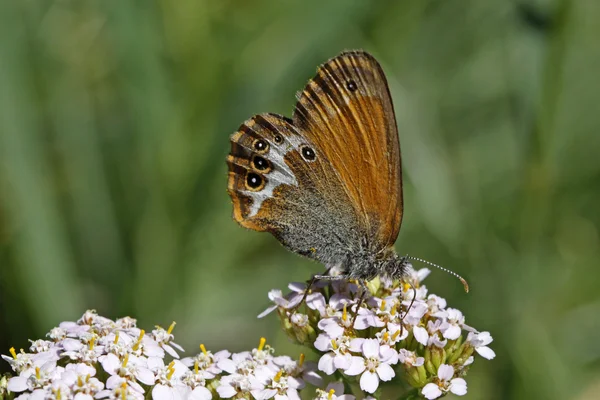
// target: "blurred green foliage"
[[114, 125]]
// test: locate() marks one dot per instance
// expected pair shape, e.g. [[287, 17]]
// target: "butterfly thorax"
[[367, 264]]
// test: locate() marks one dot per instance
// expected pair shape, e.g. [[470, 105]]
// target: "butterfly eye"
[[308, 154], [261, 146], [261, 164], [351, 85], [254, 182], [278, 139]]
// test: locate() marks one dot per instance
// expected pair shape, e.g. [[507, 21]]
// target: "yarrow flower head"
[[133, 365], [365, 338], [398, 330]]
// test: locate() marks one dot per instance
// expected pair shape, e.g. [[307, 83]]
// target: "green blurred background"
[[114, 125]]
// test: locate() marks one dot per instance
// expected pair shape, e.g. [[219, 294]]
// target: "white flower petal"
[[369, 382], [421, 335], [110, 363], [485, 352], [326, 363], [226, 391], [342, 361], [385, 372], [445, 372], [83, 396], [145, 376], [162, 392], [422, 274], [313, 378], [323, 342], [200, 393], [171, 351], [458, 386], [357, 366], [431, 391], [388, 355], [17, 384], [452, 333], [227, 365], [370, 348], [356, 345]]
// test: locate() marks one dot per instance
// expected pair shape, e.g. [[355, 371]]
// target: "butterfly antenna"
[[462, 280]]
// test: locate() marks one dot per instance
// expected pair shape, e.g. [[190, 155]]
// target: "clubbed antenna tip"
[[462, 280]]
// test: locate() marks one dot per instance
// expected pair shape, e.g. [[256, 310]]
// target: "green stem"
[[411, 395]]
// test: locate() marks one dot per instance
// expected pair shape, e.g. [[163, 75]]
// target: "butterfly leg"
[[361, 284]]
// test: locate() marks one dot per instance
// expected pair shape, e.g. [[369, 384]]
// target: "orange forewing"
[[346, 111]]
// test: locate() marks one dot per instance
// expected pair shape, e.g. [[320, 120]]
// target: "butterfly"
[[327, 183]]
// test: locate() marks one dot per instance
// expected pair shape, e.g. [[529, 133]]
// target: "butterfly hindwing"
[[277, 182]]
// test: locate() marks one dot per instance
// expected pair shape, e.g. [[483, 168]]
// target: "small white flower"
[[339, 323], [436, 306], [279, 386], [82, 352], [164, 338], [480, 341], [57, 334], [19, 361], [333, 391], [126, 323], [375, 365], [168, 380], [79, 378], [301, 370], [120, 392], [35, 378], [395, 334], [445, 384], [416, 277], [455, 320], [196, 381], [238, 384], [338, 353], [290, 300], [378, 314], [409, 358], [206, 360], [131, 368], [41, 346], [299, 319]]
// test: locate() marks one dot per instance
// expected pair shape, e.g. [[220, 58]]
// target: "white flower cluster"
[[399, 328], [98, 358]]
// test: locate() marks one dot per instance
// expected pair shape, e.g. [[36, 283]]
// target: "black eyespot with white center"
[[308, 153], [278, 139], [254, 181], [261, 146], [351, 86], [261, 164]]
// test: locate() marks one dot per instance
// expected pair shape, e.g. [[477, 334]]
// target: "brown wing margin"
[[346, 110]]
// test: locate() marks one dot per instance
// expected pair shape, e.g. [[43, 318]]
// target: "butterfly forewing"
[[346, 112]]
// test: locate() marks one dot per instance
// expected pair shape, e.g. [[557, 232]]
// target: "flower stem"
[[411, 395]]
